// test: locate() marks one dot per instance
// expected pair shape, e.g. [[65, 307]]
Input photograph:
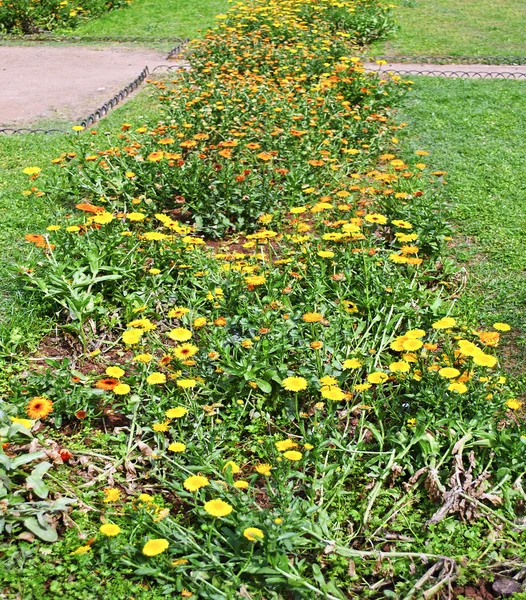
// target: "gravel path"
[[69, 82], [59, 82]]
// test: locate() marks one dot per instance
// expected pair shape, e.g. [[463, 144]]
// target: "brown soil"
[[59, 82]]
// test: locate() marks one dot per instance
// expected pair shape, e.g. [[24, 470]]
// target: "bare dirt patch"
[[64, 82]]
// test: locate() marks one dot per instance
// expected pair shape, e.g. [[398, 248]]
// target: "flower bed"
[[35, 16], [272, 274]]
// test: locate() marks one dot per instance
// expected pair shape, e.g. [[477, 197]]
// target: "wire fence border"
[[79, 39], [455, 60], [453, 74], [176, 52]]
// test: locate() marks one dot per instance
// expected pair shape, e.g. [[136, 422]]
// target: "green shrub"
[[34, 16]]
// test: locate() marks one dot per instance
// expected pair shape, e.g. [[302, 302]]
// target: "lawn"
[[452, 28], [155, 19], [472, 134]]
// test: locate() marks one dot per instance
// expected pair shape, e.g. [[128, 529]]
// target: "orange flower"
[[107, 384], [39, 407], [38, 240], [90, 208]]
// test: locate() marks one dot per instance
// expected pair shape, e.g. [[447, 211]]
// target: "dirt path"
[[59, 82], [469, 71]]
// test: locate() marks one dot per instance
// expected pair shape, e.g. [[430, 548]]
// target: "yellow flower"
[[156, 378], [332, 393], [218, 508], [144, 324], [312, 317], [445, 323], [328, 380], [121, 389], [111, 495], [376, 218], [484, 360], [186, 383], [78, 128], [255, 280], [109, 529], [468, 348], [195, 482], [513, 403], [32, 170], [176, 413], [81, 550], [285, 445], [449, 372], [72, 228], [103, 218], [143, 358], [177, 312], [145, 498], [351, 363], [185, 351], [154, 547], [199, 322], [116, 372], [177, 447], [135, 216], [501, 326], [179, 334], [293, 455], [308, 446], [415, 333], [234, 468], [132, 336], [27, 423], [263, 469], [240, 484], [411, 344], [325, 254], [362, 387], [460, 388], [253, 534], [154, 236], [294, 384], [399, 367], [161, 427], [377, 377]]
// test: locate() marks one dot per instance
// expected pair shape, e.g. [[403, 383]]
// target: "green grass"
[[471, 133], [19, 214], [156, 18], [466, 28]]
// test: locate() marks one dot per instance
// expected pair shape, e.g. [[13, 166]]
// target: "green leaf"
[[35, 482], [26, 458], [264, 386], [44, 532]]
